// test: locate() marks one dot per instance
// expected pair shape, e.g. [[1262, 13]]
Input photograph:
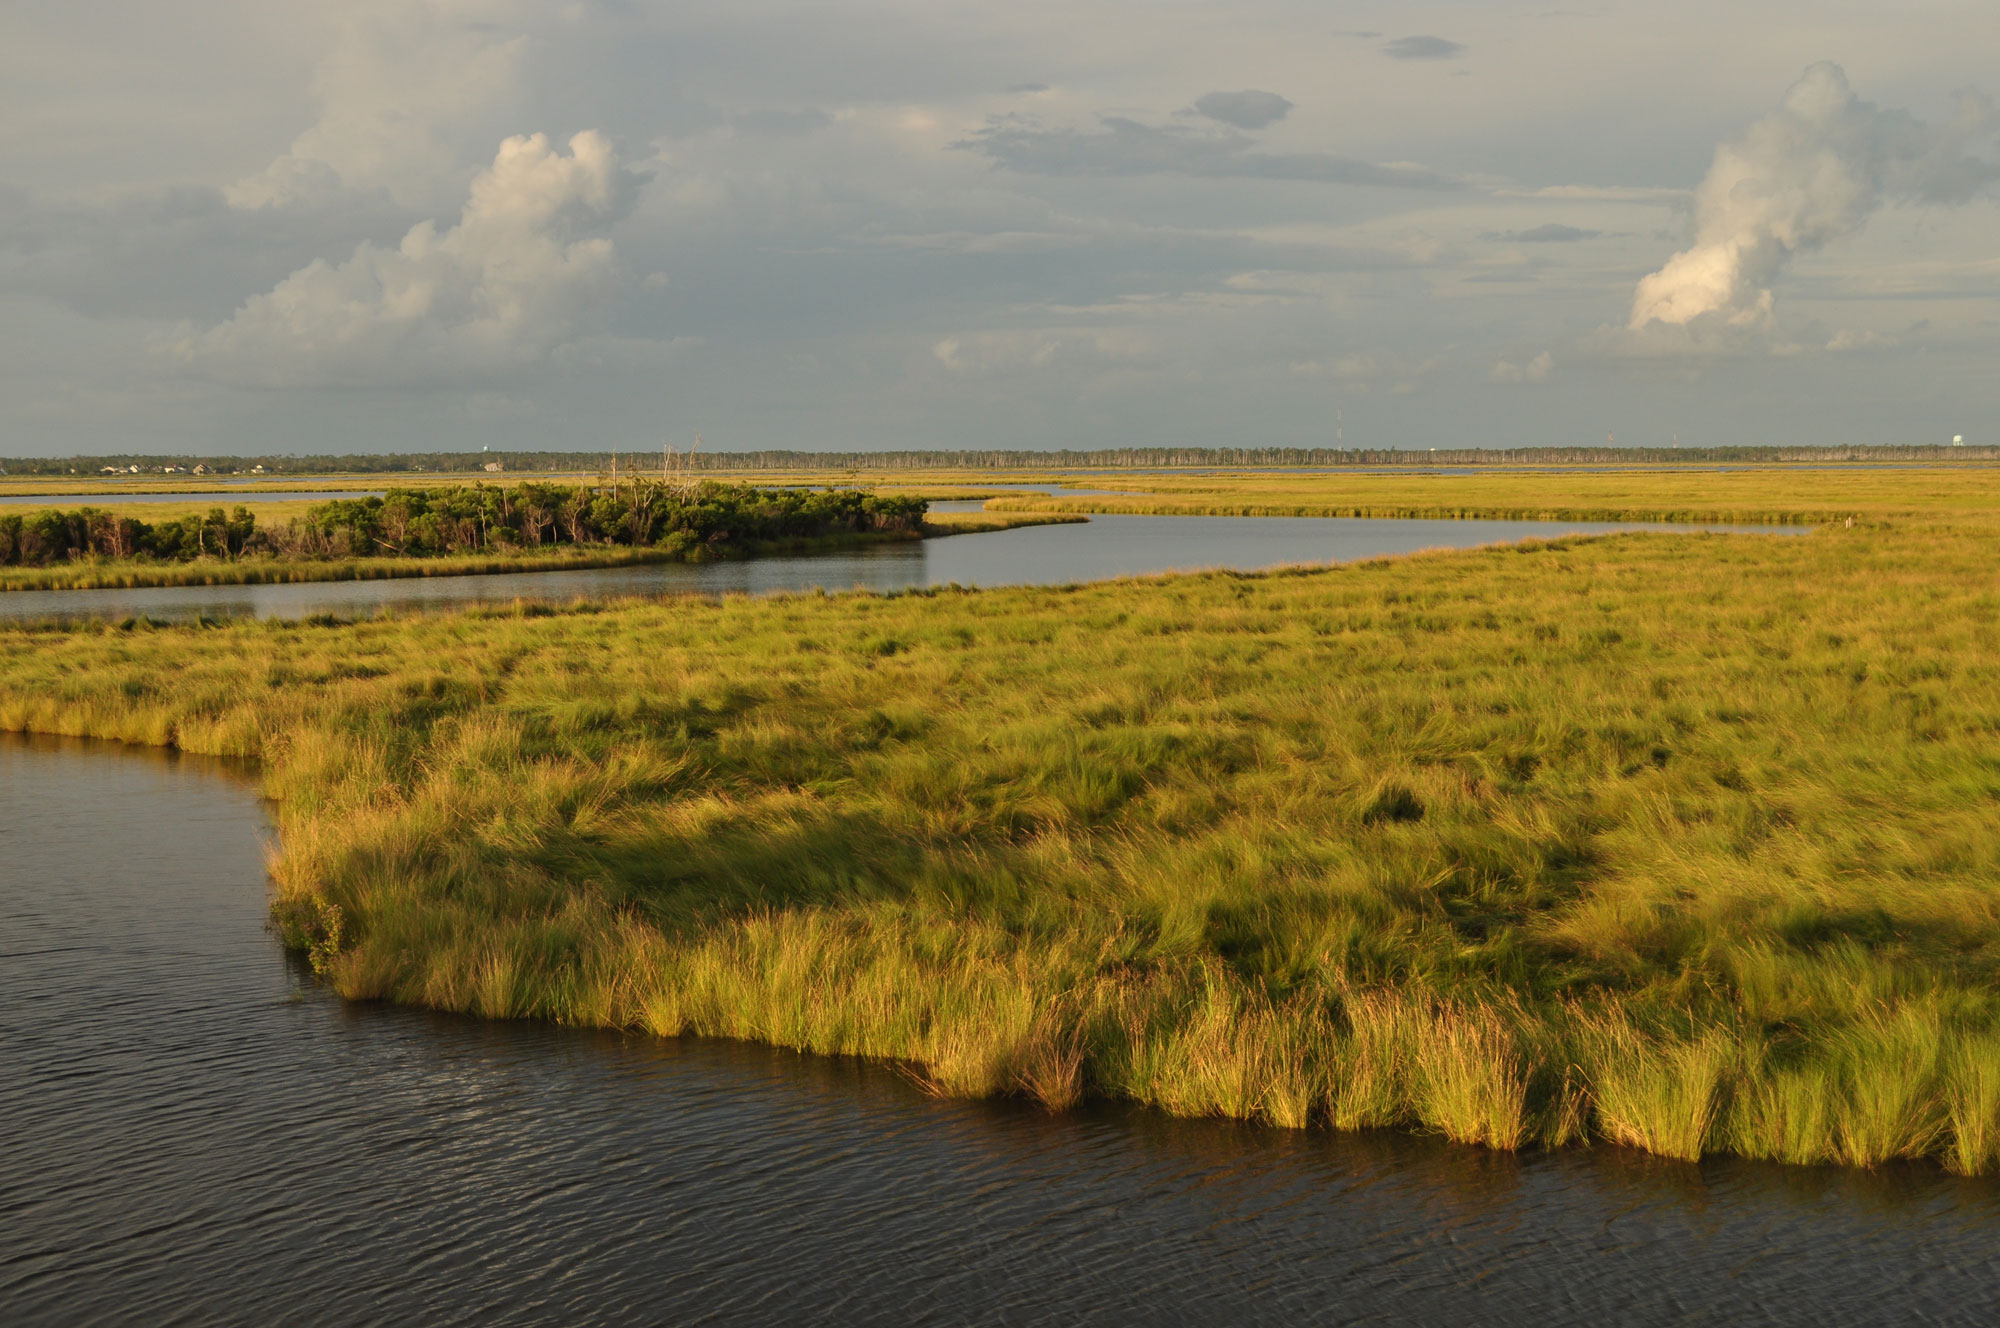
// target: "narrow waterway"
[[194, 1133], [1105, 546]]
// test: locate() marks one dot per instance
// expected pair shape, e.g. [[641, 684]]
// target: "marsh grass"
[[1657, 1094], [127, 574], [981, 523], [1972, 1105], [1684, 842], [1773, 495]]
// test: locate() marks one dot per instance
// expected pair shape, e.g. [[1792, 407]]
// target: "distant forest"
[[1134, 458]]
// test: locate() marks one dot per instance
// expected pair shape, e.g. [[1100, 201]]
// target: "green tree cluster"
[[461, 519], [52, 535]]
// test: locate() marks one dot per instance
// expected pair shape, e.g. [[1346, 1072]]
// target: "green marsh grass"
[[128, 573], [1772, 495], [1689, 843]]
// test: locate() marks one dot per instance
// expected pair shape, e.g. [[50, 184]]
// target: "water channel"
[[195, 1133], [1106, 546]]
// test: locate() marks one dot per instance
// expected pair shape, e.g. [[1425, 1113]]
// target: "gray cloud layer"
[[793, 224], [1422, 48], [1553, 232], [179, 252], [1128, 147], [782, 122], [1248, 109]]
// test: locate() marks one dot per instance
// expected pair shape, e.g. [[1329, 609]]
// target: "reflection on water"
[[194, 1133], [1107, 546]]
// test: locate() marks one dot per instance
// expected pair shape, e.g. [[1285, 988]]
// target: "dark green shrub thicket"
[[461, 520], [51, 535]]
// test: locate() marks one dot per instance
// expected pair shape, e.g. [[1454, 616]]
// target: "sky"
[[234, 227]]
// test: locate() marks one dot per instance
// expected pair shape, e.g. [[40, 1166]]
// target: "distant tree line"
[[685, 519], [1101, 458]]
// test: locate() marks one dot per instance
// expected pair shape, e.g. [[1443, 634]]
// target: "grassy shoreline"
[[1746, 497], [989, 522], [126, 574], [1155, 505], [1680, 842], [102, 574]]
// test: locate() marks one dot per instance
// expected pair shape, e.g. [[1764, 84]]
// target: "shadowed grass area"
[[1688, 842]]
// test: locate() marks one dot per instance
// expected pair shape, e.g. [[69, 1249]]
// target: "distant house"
[[201, 470], [495, 466], [256, 470]]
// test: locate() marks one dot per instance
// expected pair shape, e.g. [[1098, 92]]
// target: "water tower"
[[1958, 440]]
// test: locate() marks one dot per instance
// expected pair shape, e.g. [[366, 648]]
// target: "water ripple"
[[186, 1142]]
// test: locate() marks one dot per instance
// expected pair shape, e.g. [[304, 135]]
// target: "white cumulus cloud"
[[401, 87], [1808, 173], [1536, 370], [498, 290]]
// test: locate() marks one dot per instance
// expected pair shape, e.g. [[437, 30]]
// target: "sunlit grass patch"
[[1682, 843]]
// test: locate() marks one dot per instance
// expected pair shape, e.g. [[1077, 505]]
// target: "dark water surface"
[[1107, 546], [190, 1132]]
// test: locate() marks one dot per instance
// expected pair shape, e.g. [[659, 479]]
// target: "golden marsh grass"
[[1686, 842]]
